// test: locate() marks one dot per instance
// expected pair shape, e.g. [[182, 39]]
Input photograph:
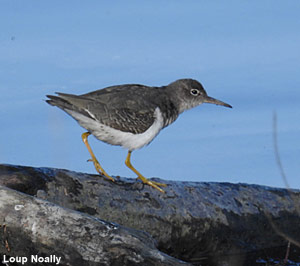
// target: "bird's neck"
[[169, 111]]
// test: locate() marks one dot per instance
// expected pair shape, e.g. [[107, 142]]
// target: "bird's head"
[[189, 93]]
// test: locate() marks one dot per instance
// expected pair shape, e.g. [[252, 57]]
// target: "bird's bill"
[[215, 101]]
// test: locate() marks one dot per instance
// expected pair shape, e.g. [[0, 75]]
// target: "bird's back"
[[129, 108]]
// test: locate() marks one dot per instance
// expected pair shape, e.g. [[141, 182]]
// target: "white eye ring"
[[194, 92]]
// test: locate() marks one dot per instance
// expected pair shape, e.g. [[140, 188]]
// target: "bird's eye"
[[194, 92]]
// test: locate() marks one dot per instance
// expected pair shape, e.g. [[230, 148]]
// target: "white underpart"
[[113, 136]]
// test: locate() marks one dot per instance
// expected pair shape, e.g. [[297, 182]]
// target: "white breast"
[[112, 136]]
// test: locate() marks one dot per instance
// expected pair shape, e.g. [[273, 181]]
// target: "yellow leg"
[[144, 179], [97, 165]]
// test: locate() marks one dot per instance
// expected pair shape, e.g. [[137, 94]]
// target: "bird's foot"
[[158, 184], [97, 165], [153, 184], [99, 168]]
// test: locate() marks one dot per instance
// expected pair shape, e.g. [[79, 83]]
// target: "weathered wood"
[[196, 222], [31, 226]]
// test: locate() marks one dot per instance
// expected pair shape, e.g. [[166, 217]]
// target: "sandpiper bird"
[[131, 115]]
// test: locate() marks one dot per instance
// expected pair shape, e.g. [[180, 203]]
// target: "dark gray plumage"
[[131, 115], [130, 107]]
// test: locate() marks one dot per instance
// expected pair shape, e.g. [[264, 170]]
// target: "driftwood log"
[[127, 223], [33, 226]]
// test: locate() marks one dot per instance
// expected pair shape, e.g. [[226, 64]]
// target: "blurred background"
[[246, 53]]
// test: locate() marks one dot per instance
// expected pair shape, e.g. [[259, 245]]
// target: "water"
[[246, 54]]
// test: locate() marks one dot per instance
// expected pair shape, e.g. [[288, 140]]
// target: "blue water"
[[246, 54]]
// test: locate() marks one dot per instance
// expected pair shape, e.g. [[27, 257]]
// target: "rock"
[[34, 227], [200, 223]]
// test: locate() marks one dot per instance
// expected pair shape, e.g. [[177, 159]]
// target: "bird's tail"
[[70, 103]]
